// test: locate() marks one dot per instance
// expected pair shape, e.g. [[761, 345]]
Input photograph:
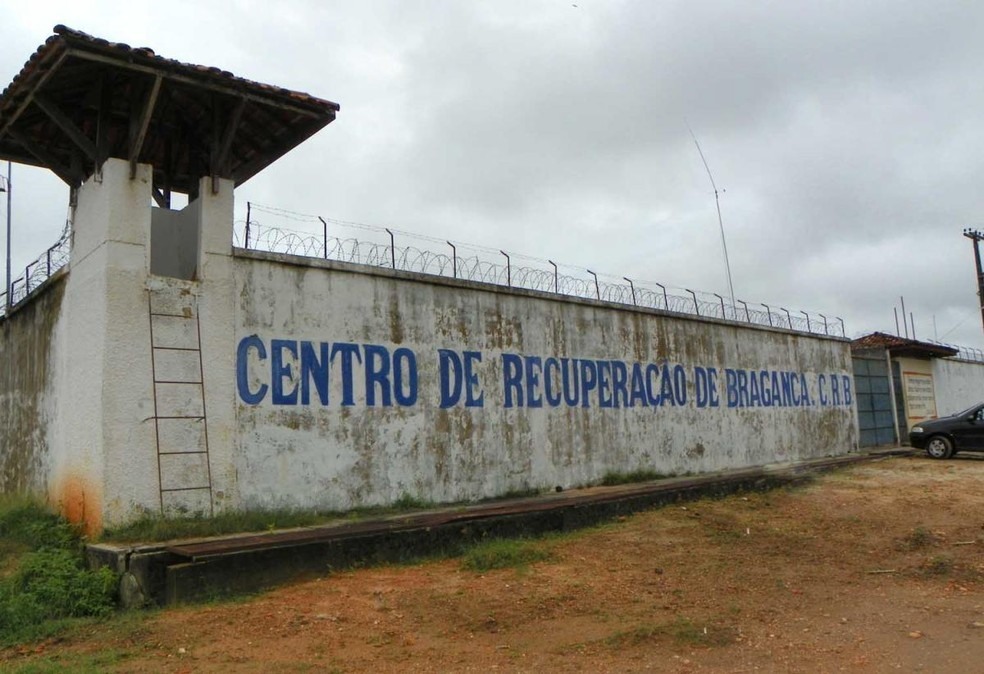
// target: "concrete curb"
[[201, 569]]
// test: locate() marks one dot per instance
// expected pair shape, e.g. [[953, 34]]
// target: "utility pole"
[[976, 236], [7, 294]]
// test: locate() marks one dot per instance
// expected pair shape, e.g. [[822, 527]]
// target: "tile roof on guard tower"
[[81, 99]]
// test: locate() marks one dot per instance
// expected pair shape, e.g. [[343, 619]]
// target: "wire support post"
[[324, 236], [454, 260], [723, 314], [632, 290], [508, 268], [748, 317], [597, 287], [392, 249], [696, 303]]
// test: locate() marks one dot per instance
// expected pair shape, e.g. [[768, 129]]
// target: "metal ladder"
[[181, 428]]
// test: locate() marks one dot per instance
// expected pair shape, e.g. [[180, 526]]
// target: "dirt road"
[[879, 567]]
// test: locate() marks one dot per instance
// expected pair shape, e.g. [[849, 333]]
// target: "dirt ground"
[[879, 567]]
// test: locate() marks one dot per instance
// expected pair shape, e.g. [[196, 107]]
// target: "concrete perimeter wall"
[[26, 349], [959, 384], [263, 381], [357, 387]]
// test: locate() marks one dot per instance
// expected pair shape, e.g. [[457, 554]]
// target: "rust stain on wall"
[[79, 501]]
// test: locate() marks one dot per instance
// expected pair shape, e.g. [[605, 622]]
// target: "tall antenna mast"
[[717, 203]]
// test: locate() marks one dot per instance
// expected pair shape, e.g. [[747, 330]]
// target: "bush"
[[50, 583]]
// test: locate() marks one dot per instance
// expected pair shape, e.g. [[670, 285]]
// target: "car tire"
[[939, 447]]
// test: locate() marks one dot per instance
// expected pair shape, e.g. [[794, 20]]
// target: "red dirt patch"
[[873, 568]]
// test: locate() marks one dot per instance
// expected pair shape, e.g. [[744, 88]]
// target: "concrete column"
[[217, 316], [103, 462]]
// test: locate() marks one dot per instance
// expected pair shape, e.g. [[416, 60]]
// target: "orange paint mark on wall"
[[80, 502]]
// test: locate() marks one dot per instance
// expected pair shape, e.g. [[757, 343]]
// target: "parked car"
[[944, 437]]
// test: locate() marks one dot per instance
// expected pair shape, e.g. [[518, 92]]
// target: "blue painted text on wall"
[[292, 372]]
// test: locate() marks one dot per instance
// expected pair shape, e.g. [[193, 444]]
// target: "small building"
[[901, 381]]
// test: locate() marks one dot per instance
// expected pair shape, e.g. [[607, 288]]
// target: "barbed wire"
[[963, 352], [37, 272], [254, 235]]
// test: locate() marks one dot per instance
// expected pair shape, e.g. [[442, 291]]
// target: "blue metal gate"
[[874, 398]]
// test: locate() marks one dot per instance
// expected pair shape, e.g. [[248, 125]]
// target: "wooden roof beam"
[[137, 139], [228, 135], [9, 121], [66, 125], [46, 158], [163, 200], [296, 135]]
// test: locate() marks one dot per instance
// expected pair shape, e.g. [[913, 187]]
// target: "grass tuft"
[[411, 502], [940, 565], [919, 538], [501, 553], [683, 631]]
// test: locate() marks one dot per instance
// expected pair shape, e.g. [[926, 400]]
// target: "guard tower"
[[126, 420]]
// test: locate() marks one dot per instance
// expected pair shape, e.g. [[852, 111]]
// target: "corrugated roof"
[[80, 99]]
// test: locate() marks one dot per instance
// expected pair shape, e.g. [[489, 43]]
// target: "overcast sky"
[[848, 136]]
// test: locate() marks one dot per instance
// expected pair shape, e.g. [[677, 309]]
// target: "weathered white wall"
[[106, 454], [340, 455], [26, 350], [959, 384]]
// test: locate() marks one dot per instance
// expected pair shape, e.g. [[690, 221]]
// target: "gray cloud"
[[845, 135]]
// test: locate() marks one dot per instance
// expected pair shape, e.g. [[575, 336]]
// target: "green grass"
[[939, 565], [503, 553], [918, 539], [682, 631], [28, 523], [46, 583], [154, 527], [157, 528], [411, 502], [88, 663]]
